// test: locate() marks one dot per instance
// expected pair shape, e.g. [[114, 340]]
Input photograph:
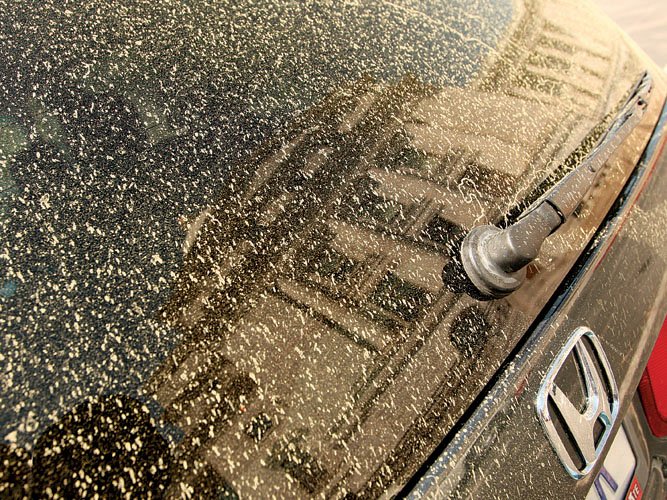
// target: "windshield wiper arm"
[[494, 259]]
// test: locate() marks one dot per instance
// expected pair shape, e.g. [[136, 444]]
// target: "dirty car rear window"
[[222, 229]]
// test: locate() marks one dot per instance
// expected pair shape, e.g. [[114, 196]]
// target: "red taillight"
[[653, 386]]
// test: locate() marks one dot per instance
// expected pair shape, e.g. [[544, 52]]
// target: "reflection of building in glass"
[[545, 63], [310, 300], [303, 303]]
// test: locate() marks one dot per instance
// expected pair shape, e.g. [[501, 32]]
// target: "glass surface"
[[222, 231]]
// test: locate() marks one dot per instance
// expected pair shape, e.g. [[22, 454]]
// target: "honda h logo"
[[577, 434]]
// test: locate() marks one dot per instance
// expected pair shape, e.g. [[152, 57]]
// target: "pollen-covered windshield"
[[223, 226]]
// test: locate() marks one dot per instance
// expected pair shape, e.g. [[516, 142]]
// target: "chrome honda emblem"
[[576, 443]]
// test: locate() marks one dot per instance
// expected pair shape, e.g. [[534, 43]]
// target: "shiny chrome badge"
[[579, 436]]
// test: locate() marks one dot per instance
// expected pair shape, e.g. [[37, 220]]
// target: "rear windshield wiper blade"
[[494, 259]]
